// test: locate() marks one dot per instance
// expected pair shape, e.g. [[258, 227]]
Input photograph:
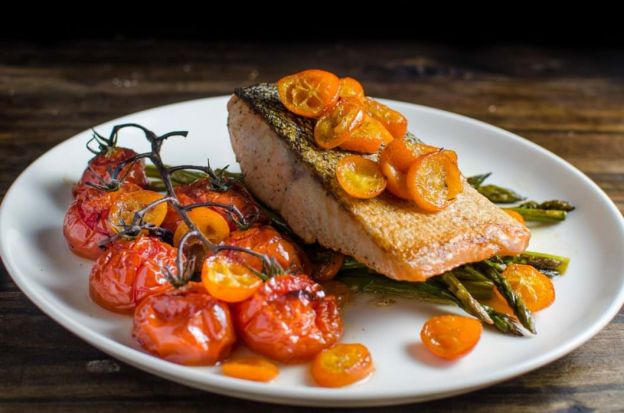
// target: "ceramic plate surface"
[[588, 296]]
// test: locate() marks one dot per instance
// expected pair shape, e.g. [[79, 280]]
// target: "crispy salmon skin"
[[286, 170]]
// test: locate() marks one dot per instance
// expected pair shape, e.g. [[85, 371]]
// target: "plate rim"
[[309, 396]]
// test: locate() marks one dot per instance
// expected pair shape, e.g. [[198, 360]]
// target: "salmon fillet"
[[288, 172]]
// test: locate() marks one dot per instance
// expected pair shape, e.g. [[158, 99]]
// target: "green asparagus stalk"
[[367, 281], [477, 180], [499, 195], [542, 261], [481, 290], [468, 301], [494, 193], [504, 323], [540, 215], [555, 204], [489, 269]]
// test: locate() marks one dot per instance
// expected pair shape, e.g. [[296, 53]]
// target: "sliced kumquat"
[[394, 122], [515, 215], [250, 368], [333, 128], [350, 87], [402, 154], [212, 224], [451, 336], [341, 365], [433, 181], [127, 204], [227, 280], [360, 177], [536, 290], [367, 137], [309, 93], [396, 181]]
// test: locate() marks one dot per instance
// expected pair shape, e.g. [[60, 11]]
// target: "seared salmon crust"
[[286, 170]]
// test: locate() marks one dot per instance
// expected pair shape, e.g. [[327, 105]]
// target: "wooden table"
[[570, 102]]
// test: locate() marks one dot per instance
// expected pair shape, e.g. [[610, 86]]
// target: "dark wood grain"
[[570, 103]]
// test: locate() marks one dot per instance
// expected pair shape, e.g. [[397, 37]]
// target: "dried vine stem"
[[218, 182]]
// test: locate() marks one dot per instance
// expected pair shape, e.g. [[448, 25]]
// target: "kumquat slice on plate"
[[342, 365], [334, 127], [451, 336], [252, 368], [212, 224], [228, 280], [127, 204], [360, 177], [433, 181], [309, 93]]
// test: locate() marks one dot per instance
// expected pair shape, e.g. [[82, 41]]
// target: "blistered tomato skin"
[[98, 169], [86, 221], [289, 319], [201, 191], [265, 240], [129, 271], [185, 326]]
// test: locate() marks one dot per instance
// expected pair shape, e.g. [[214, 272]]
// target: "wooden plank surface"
[[570, 102]]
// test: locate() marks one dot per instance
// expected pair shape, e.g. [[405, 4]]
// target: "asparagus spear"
[[481, 290], [544, 262], [494, 193], [499, 195], [540, 215], [468, 301], [491, 270], [368, 281], [555, 204], [504, 323], [477, 180]]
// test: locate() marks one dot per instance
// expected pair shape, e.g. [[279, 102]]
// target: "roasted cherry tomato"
[[433, 181], [451, 336], [536, 290], [129, 271], [394, 122], [325, 263], [515, 215], [360, 177], [202, 191], [86, 221], [210, 223], [289, 319], [228, 280], [309, 93], [349, 87], [334, 127], [97, 171], [265, 240], [367, 137], [125, 205], [250, 368], [342, 365], [186, 326]]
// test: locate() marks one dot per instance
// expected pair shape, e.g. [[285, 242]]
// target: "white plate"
[[35, 254]]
